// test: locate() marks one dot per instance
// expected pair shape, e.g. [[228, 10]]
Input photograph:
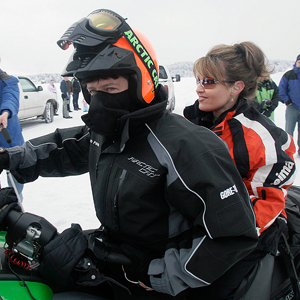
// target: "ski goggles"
[[207, 81], [105, 26], [100, 26], [106, 22]]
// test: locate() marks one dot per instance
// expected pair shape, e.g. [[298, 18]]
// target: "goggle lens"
[[104, 20]]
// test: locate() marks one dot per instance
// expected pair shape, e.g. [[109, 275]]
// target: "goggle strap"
[[140, 51]]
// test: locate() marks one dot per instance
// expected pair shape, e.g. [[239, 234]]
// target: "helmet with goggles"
[[105, 44]]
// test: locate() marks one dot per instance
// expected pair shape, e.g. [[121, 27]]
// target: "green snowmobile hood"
[[2, 238], [15, 290]]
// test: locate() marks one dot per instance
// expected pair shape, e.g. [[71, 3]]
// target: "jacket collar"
[[199, 117], [130, 124]]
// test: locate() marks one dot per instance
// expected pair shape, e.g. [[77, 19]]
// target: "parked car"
[[35, 102], [166, 80]]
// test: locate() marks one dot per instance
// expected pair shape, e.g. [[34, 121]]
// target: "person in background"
[[289, 91], [52, 89], [226, 77], [65, 97], [166, 192], [76, 91], [9, 107], [70, 93], [266, 97]]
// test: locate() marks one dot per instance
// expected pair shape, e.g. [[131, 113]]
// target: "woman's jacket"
[[262, 152]]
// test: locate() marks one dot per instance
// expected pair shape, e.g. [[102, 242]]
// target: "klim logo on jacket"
[[284, 173]]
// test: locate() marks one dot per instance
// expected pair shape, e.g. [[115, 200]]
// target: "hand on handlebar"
[[8, 202], [104, 249], [61, 255]]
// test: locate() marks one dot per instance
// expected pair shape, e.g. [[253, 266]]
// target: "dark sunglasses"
[[209, 81]]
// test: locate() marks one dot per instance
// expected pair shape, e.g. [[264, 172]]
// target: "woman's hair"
[[244, 61]]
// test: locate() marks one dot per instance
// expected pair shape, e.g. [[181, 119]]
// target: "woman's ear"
[[237, 88]]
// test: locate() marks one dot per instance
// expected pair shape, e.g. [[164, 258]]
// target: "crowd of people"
[[69, 89], [194, 202]]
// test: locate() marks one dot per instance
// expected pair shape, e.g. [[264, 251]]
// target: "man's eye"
[[92, 92], [110, 89]]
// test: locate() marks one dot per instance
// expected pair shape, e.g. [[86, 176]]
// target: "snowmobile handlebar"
[[18, 224], [28, 233]]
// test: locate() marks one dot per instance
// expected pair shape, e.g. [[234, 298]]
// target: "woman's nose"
[[199, 88]]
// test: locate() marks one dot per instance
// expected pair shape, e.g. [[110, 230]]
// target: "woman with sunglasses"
[[263, 153]]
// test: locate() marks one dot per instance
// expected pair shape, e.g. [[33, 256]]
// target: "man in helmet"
[[166, 192]]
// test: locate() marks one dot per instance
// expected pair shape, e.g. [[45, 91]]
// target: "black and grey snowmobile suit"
[[181, 198]]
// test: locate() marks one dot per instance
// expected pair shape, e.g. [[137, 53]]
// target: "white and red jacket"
[[262, 152]]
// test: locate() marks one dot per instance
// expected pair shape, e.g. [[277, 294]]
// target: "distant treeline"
[[184, 69]]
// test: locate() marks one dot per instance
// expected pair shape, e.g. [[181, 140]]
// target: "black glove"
[[61, 256], [138, 270], [269, 239], [266, 112], [103, 249], [4, 159], [8, 202]]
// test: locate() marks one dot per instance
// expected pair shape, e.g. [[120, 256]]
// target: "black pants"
[[222, 289], [225, 287]]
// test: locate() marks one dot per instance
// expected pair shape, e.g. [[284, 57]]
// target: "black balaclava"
[[105, 109]]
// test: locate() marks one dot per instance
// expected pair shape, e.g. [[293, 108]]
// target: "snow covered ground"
[[67, 200]]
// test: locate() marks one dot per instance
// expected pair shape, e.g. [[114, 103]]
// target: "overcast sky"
[[180, 30]]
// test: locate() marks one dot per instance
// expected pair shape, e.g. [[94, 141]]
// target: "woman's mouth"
[[201, 99]]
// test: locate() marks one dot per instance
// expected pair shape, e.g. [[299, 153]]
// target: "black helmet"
[[104, 45]]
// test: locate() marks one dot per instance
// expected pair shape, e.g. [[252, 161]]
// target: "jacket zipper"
[[121, 180]]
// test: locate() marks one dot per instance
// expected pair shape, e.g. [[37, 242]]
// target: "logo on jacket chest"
[[93, 142], [144, 168]]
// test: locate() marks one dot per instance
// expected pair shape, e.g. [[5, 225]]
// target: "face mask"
[[105, 109]]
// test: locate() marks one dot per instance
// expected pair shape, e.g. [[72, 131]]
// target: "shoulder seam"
[[4, 76]]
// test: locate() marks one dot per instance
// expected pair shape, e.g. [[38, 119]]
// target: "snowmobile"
[[21, 247]]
